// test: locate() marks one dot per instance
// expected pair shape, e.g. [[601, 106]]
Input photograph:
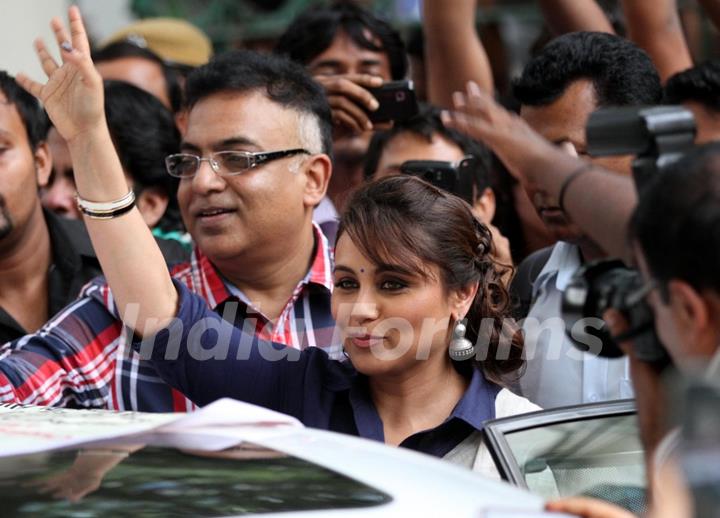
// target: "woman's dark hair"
[[402, 218], [144, 133], [313, 31], [127, 49]]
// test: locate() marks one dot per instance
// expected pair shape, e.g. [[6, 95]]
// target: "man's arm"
[[655, 26], [563, 16], [70, 359], [454, 53], [599, 201]]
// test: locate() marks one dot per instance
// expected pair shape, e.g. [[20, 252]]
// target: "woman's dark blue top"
[[207, 358]]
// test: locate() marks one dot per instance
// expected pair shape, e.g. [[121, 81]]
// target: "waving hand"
[[130, 258], [73, 94]]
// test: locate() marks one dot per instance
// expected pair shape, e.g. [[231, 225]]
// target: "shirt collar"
[[322, 265], [217, 290], [202, 278], [477, 405], [563, 261]]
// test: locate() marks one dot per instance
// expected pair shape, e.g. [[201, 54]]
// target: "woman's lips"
[[366, 341]]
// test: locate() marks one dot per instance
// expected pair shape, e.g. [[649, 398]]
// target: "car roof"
[[417, 483]]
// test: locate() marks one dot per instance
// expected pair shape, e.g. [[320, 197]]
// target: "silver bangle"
[[106, 210]]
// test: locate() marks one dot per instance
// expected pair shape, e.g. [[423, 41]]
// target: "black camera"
[[658, 136], [598, 286], [465, 178]]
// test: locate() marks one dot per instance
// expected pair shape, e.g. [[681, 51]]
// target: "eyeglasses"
[[224, 163]]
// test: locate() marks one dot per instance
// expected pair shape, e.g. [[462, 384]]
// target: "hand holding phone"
[[350, 100], [396, 100]]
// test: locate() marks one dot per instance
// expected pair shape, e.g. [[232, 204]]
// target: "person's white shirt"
[[472, 452], [559, 374]]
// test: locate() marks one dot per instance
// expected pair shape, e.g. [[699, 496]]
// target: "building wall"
[[21, 21]]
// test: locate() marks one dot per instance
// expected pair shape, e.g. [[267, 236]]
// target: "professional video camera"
[[658, 136]]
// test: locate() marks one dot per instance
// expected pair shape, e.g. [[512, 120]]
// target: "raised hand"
[[73, 94], [519, 147]]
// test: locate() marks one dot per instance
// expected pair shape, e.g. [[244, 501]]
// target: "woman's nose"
[[365, 307]]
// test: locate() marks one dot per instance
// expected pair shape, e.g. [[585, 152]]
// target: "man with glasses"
[[254, 163]]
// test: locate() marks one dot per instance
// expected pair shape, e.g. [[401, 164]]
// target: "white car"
[[277, 469]]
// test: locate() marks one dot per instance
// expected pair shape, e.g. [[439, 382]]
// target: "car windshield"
[[137, 481], [600, 457]]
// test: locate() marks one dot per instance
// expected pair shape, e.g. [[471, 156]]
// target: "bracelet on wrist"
[[106, 210]]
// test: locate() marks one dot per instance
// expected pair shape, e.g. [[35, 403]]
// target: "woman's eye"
[[346, 284], [392, 285]]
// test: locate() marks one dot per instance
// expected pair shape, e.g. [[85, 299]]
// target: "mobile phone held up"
[[397, 101]]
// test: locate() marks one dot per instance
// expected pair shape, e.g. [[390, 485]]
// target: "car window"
[[165, 482], [600, 457]]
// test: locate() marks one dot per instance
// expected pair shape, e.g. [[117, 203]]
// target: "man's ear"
[[43, 164], [461, 300], [318, 169], [485, 205], [152, 203], [692, 314]]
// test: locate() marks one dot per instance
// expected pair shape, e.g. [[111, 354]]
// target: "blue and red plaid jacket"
[[83, 356]]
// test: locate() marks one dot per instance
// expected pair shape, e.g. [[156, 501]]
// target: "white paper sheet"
[[219, 425]]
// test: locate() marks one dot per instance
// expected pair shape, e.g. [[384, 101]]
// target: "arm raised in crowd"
[[454, 53], [564, 16], [128, 254], [655, 26], [599, 201]]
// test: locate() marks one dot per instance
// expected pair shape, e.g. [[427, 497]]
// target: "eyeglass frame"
[[257, 158]]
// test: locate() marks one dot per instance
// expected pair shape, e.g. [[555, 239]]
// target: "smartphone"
[[397, 101]]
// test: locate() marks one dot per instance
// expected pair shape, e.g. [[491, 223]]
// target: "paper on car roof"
[[32, 429]]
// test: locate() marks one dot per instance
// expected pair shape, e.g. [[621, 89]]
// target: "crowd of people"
[[238, 226]]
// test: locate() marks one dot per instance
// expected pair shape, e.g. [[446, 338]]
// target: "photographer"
[[674, 233], [679, 211], [348, 51]]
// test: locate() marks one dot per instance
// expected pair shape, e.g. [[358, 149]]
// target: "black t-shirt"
[[73, 264]]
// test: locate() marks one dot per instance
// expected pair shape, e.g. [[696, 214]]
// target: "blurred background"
[[510, 29]]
